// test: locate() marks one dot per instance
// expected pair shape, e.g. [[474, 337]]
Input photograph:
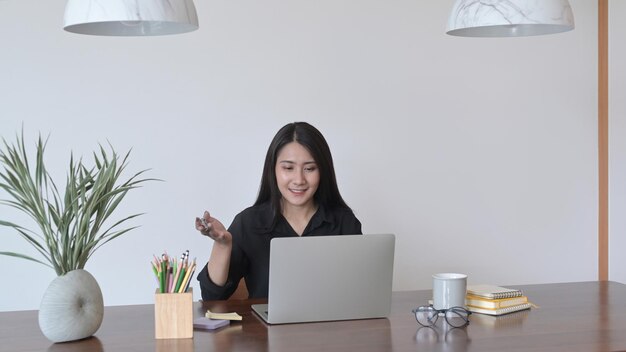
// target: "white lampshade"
[[130, 17], [509, 18]]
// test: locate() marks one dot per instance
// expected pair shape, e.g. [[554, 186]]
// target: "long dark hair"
[[309, 137]]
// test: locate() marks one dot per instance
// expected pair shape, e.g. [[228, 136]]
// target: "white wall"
[[480, 154], [617, 143]]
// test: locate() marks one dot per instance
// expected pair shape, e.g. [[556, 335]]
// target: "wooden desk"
[[587, 316]]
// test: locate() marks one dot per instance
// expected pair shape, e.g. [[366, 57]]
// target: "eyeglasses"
[[455, 316]]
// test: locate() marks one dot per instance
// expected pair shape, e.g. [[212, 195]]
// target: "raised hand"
[[213, 228]]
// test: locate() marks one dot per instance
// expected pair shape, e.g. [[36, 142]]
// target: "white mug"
[[449, 290]]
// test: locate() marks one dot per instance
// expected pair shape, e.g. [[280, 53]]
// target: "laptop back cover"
[[324, 278]]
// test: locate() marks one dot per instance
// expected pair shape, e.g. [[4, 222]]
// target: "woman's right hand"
[[214, 229]]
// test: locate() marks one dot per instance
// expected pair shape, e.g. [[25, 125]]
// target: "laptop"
[[327, 278]]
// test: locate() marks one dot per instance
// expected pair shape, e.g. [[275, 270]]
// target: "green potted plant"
[[70, 228]]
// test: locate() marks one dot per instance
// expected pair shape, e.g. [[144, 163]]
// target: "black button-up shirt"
[[252, 232]]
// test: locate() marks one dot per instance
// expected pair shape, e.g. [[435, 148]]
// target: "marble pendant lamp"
[[509, 18], [130, 17]]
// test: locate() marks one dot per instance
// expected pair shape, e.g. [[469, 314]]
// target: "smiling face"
[[297, 176]]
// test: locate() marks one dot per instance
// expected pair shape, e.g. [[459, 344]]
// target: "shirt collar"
[[265, 217], [321, 216]]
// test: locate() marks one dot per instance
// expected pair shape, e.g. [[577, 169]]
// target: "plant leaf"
[[17, 255]]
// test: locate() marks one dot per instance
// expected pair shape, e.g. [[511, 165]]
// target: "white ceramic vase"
[[72, 307]]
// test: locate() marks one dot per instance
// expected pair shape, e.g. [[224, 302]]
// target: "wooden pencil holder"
[[173, 315]]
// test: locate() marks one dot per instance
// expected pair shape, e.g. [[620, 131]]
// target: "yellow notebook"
[[482, 302], [501, 321], [499, 311]]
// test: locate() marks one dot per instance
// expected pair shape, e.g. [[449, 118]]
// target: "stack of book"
[[495, 300]]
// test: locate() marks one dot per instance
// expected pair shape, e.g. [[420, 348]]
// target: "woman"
[[298, 196]]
